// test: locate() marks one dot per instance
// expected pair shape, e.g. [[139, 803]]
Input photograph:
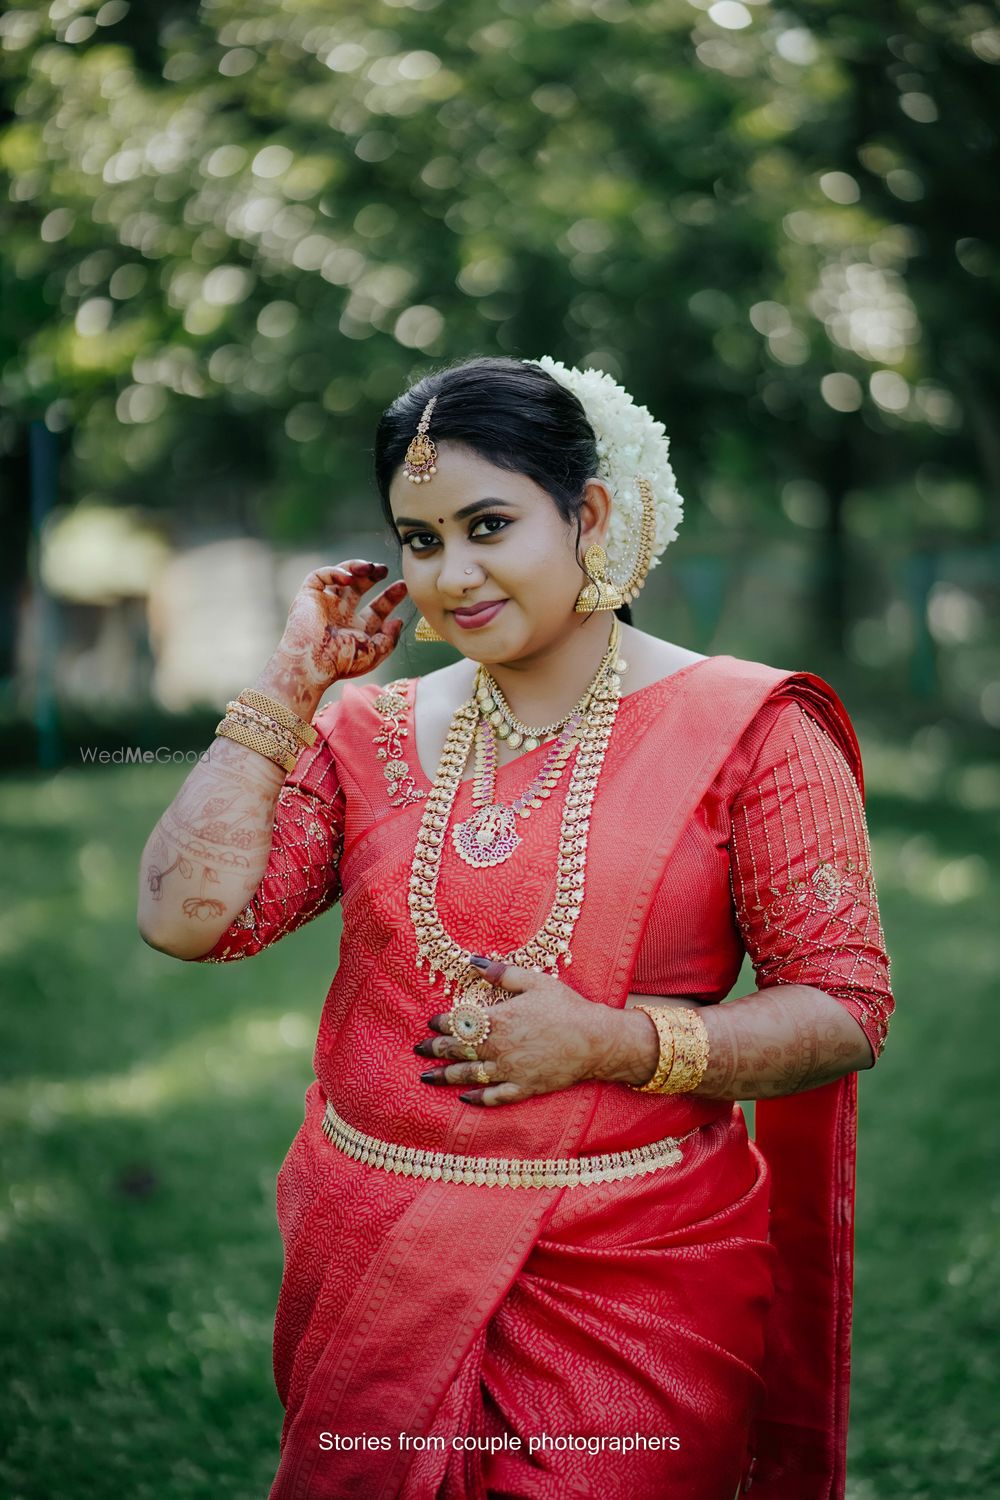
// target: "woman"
[[543, 1259]]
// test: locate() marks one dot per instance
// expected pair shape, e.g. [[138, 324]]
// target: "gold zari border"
[[500, 1171]]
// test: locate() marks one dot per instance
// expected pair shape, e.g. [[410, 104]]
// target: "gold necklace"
[[550, 945], [489, 836], [496, 710], [508, 726]]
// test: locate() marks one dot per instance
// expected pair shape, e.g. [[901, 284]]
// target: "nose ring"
[[468, 570]]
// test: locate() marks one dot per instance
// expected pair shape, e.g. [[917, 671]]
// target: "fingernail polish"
[[430, 1077], [479, 961]]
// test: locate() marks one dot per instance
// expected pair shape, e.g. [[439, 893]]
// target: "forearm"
[[773, 1042], [207, 854]]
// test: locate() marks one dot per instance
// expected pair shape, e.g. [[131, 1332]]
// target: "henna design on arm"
[[211, 840], [242, 861], [773, 1042], [779, 1041]]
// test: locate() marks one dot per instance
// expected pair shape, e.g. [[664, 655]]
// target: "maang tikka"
[[419, 464], [421, 456]]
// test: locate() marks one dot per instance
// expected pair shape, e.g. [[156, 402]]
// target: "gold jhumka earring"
[[426, 632], [601, 591]]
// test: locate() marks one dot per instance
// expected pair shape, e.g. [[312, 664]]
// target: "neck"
[[549, 683]]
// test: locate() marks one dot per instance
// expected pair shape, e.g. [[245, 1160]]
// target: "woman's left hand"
[[544, 1037]]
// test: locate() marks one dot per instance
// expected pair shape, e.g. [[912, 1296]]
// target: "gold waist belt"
[[502, 1171]]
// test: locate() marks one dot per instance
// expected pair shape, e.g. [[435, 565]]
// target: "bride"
[[530, 1248]]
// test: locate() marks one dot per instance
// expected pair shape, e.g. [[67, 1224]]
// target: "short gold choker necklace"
[[497, 711]]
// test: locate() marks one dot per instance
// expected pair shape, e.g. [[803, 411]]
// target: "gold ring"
[[469, 1022], [481, 1075]]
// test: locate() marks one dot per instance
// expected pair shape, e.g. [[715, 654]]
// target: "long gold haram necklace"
[[550, 945], [489, 836]]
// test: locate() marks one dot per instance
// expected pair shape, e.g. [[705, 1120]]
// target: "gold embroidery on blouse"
[[838, 881], [829, 884], [302, 825], [391, 705]]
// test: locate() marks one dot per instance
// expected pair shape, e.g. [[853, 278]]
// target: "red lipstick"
[[477, 615]]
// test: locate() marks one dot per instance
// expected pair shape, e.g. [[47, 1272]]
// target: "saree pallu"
[[423, 1325]]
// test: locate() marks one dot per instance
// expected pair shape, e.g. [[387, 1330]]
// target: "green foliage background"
[[237, 228]]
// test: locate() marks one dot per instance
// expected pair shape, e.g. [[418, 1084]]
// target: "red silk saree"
[[682, 1332]]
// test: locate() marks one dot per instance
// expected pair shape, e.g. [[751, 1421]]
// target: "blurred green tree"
[[236, 229]]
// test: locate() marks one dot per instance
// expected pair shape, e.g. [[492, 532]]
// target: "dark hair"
[[512, 413]]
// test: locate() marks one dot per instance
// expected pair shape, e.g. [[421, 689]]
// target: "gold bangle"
[[252, 738], [684, 1049], [690, 1050], [281, 713], [252, 716], [665, 1061]]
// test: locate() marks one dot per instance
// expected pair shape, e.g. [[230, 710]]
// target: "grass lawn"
[[147, 1105]]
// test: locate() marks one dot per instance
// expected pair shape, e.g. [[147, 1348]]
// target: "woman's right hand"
[[209, 851], [328, 636]]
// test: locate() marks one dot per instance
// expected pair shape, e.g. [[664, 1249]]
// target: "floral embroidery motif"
[[829, 884], [391, 705]]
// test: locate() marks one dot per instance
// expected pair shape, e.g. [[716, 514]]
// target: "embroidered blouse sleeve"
[[301, 878], [801, 874]]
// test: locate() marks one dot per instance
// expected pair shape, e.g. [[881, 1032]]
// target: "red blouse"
[[775, 864]]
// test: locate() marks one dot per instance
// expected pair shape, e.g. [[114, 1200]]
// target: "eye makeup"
[[410, 537]]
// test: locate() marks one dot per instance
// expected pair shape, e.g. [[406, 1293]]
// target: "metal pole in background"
[[44, 469]]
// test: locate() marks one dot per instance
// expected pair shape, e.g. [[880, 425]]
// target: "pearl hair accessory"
[[631, 447]]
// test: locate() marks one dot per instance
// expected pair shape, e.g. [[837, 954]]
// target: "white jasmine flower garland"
[[630, 444]]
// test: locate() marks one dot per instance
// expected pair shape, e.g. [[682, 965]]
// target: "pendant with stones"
[[487, 838]]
